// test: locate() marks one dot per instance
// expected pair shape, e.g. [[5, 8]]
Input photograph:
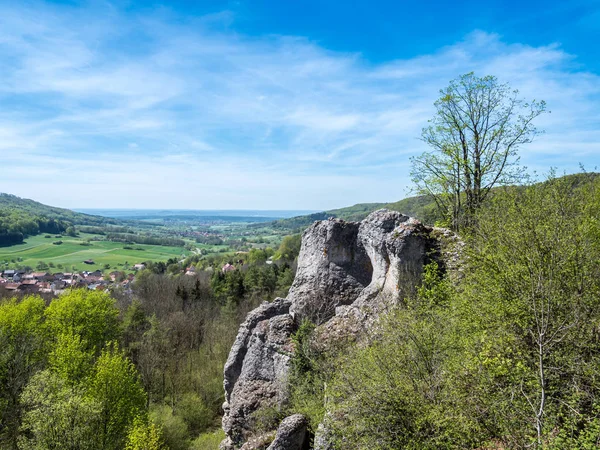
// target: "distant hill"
[[20, 217], [420, 207]]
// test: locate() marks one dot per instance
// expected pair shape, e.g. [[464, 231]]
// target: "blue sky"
[[270, 104]]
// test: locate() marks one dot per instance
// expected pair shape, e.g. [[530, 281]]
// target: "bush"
[[308, 377], [195, 413], [174, 429], [208, 441]]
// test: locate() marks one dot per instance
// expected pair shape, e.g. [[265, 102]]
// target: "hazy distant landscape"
[[227, 215]]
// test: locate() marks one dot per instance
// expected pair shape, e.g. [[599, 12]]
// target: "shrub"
[[208, 441]]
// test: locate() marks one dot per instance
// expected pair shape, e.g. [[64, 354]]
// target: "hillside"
[[403, 334], [20, 217], [33, 208], [420, 207]]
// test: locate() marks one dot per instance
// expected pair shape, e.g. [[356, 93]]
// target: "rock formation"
[[348, 273]]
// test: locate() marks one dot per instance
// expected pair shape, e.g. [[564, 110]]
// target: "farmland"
[[74, 250]]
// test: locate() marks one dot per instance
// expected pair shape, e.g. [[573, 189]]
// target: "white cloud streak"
[[123, 111]]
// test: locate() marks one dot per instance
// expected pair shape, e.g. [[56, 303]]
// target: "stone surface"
[[332, 270], [256, 370], [348, 273], [292, 434]]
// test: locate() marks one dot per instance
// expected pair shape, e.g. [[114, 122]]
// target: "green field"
[[71, 254]]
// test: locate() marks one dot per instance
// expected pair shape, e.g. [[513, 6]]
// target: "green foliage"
[[114, 384], [145, 239], [289, 248], [393, 392], [195, 413], [474, 136], [144, 435], [208, 441], [92, 315], [176, 331], [22, 353], [21, 217], [531, 295], [70, 357], [303, 359], [507, 357], [59, 415], [21, 318], [174, 429], [308, 376]]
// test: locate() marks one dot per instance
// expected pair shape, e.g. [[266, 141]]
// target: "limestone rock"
[[292, 434], [348, 274], [256, 370], [332, 270]]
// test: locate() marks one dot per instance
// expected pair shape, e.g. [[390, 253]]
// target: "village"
[[28, 282]]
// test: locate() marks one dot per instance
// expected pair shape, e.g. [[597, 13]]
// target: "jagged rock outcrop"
[[348, 273]]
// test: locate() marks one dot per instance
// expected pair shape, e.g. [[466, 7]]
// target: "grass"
[[72, 254]]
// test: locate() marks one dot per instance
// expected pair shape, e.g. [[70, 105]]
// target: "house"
[[58, 285], [140, 266], [45, 287], [191, 271], [89, 261], [228, 268], [9, 273], [71, 277], [12, 286], [116, 274], [45, 276], [29, 286]]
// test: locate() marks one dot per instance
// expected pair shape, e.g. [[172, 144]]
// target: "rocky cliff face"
[[348, 273]]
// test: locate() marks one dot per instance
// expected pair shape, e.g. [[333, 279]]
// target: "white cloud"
[[146, 111]]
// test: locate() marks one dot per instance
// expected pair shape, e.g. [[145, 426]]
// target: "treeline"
[[11, 238], [504, 354], [17, 225], [135, 371], [144, 239], [209, 240], [103, 230]]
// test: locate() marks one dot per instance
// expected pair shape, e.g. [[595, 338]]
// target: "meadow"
[[71, 253]]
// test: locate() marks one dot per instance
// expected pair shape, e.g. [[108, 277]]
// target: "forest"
[[138, 371], [503, 353]]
